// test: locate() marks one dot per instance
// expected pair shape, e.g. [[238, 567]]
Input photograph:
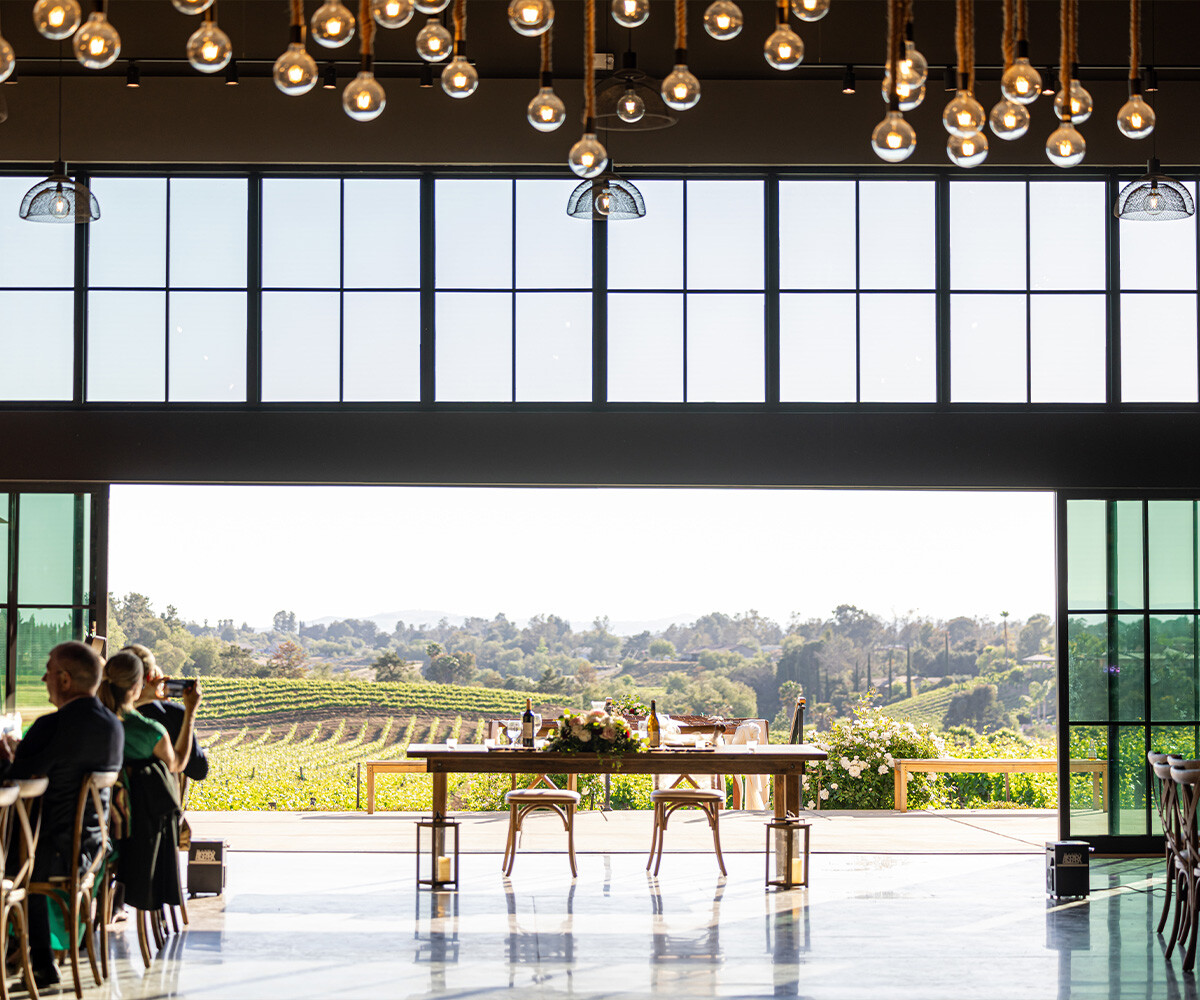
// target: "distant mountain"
[[386, 620]]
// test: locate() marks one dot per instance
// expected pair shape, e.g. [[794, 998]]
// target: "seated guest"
[[152, 705], [81, 737]]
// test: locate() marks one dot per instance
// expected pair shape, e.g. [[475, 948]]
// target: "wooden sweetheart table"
[[784, 762]]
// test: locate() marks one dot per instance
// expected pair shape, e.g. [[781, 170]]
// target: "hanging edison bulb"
[[914, 70], [1065, 147], [588, 157], [364, 99], [784, 48], [459, 78], [392, 13], [8, 59], [630, 13], [97, 43], [681, 90], [967, 150], [295, 71], [546, 111], [209, 49], [434, 42], [431, 6], [909, 96], [894, 139], [530, 17], [810, 10], [1021, 82], [57, 19], [723, 20], [1135, 119], [1009, 120], [631, 108], [603, 201], [1081, 103], [332, 24], [192, 6], [963, 115]]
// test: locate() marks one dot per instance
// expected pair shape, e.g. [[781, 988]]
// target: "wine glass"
[[512, 729]]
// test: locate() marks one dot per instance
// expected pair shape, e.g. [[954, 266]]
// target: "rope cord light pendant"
[[1081, 100], [531, 17], [295, 72], [894, 139], [364, 99], [723, 20], [964, 118], [588, 157], [333, 25], [392, 13], [1021, 82], [681, 90], [1066, 147], [914, 69], [1136, 118], [58, 19], [459, 78], [783, 49], [546, 112], [209, 48], [1009, 119], [96, 42], [8, 59]]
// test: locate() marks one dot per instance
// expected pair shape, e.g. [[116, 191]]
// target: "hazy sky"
[[245, 552]]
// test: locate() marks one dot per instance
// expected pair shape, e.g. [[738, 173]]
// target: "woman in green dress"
[[145, 739]]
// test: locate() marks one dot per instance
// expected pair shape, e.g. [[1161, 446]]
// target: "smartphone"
[[175, 686]]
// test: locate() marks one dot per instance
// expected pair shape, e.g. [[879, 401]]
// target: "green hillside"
[[927, 707]]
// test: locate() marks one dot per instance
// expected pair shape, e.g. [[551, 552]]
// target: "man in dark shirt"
[[81, 737]]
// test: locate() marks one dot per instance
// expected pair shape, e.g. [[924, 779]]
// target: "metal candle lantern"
[[787, 850], [437, 854]]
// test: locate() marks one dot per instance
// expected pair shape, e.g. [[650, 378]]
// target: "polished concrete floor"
[[946, 925]]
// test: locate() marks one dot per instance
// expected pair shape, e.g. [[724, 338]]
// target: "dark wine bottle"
[[527, 732]]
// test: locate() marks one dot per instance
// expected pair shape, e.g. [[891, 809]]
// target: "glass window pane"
[[300, 346], [1161, 255], [1066, 234], [649, 253], [892, 213], [1172, 668], [1087, 559], [553, 250], [724, 234], [1158, 348], [208, 232], [987, 235], [1127, 551], [46, 571], [817, 214], [725, 349], [127, 250], [896, 348], [1129, 782], [1087, 668], [1129, 678], [37, 344], [381, 236], [474, 347], [1067, 349], [6, 513], [987, 348], [474, 233], [301, 229], [1172, 548], [39, 630], [818, 352], [645, 348], [381, 356], [31, 255], [208, 347], [554, 346], [1088, 818], [126, 355]]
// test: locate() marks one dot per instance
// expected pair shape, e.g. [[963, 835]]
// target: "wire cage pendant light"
[[607, 198], [59, 199], [1154, 197]]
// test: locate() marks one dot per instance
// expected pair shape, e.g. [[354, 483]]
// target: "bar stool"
[[522, 801], [667, 800]]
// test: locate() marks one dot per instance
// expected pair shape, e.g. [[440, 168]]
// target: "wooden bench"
[[947, 765], [374, 767]]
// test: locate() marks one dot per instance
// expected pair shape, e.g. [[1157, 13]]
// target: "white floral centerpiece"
[[594, 732]]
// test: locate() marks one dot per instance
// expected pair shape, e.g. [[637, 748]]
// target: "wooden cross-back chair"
[[540, 793], [14, 896], [1186, 777]]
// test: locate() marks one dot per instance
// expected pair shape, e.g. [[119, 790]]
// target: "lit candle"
[[797, 871], [443, 869]]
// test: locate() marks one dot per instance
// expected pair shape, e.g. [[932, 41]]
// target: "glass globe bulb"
[[546, 111], [295, 71], [1154, 200], [680, 89], [1135, 119], [1065, 147], [631, 108], [1021, 82], [1009, 120], [392, 13], [57, 19], [810, 10], [8, 59], [784, 49], [603, 201], [332, 24], [630, 13], [588, 157], [963, 115], [893, 139], [723, 20], [530, 17], [908, 97], [60, 207], [192, 6], [1081, 103], [434, 42], [431, 6], [914, 70], [363, 99], [209, 49], [967, 150], [97, 43], [459, 78]]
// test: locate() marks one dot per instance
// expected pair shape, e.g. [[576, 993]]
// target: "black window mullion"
[[167, 297], [342, 290], [79, 302], [1112, 252], [599, 311], [254, 290], [683, 280], [428, 300], [10, 666], [857, 291], [771, 308], [1028, 302], [513, 291], [941, 297]]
